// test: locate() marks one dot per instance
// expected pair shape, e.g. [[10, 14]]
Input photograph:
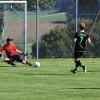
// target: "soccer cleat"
[[84, 69], [73, 71], [28, 63]]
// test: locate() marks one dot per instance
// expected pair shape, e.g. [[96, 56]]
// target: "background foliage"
[[58, 42]]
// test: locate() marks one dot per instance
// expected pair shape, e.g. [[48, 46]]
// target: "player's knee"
[[6, 59], [76, 59], [0, 54], [24, 62], [78, 63]]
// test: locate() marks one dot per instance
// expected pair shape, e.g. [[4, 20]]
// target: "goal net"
[[13, 22]]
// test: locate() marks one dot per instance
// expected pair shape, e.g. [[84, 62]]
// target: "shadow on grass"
[[58, 74], [46, 74], [85, 88], [93, 71], [4, 66], [12, 66], [59, 22]]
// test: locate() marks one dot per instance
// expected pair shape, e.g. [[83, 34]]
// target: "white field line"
[[25, 92], [50, 15], [9, 93], [17, 93]]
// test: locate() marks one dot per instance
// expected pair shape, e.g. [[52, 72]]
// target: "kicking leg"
[[80, 64], [77, 64], [27, 63], [77, 61], [84, 68]]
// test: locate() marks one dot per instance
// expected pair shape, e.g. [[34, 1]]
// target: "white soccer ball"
[[37, 64]]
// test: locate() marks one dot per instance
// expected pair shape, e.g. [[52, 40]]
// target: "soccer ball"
[[37, 64]]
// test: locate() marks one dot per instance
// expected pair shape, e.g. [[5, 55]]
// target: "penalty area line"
[[18, 93], [14, 93], [3, 93]]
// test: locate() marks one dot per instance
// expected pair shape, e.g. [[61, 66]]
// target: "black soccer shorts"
[[78, 54], [16, 58]]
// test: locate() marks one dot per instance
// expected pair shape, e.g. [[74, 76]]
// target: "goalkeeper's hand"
[[24, 54]]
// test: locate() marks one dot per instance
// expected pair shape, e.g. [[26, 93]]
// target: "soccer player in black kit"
[[80, 38]]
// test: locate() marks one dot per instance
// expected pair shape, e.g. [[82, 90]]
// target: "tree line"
[[61, 5], [59, 41]]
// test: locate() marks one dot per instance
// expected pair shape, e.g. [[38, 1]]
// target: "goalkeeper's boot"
[[28, 63], [84, 68]]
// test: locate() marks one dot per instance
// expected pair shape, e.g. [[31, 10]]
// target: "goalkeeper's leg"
[[19, 59], [7, 60], [28, 63]]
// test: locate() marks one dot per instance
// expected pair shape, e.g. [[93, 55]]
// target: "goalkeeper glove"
[[25, 54]]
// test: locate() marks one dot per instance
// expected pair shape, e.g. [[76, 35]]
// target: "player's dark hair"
[[82, 26], [9, 39]]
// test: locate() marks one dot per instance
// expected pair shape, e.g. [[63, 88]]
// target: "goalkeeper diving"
[[13, 54]]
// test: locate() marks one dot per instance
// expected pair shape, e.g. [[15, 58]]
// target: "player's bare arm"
[[19, 51], [89, 40], [75, 39]]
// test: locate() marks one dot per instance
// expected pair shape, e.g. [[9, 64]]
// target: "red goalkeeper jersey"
[[10, 49]]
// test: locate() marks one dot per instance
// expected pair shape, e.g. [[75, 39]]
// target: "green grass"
[[54, 17], [42, 16], [52, 81]]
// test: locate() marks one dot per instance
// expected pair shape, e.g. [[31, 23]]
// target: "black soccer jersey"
[[81, 41]]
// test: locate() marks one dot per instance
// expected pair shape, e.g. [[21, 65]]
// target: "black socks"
[[10, 62], [78, 63]]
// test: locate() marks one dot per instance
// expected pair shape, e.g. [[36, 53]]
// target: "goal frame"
[[25, 20]]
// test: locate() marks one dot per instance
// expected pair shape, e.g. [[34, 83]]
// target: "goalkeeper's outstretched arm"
[[17, 50], [20, 52]]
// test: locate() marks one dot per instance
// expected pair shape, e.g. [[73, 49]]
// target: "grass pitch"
[[42, 16], [52, 81]]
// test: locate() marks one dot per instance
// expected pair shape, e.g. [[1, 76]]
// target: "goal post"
[[13, 20], [13, 2]]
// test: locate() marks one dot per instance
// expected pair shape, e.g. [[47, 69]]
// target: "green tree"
[[87, 5], [62, 5], [59, 42], [43, 4], [55, 44]]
